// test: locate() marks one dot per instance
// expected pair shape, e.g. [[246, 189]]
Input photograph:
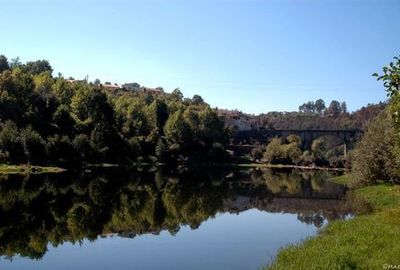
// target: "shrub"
[[318, 150], [374, 157], [281, 153], [274, 152]]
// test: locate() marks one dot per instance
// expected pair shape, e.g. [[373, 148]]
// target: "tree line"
[[311, 115], [335, 108], [46, 119], [325, 151]]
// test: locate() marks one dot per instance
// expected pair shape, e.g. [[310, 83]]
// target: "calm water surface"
[[198, 219]]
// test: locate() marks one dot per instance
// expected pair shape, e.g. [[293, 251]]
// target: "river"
[[157, 219]]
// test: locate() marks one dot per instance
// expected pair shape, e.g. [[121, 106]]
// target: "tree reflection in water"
[[38, 210]]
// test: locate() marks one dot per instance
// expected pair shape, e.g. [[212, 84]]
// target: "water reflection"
[[39, 210], [309, 194]]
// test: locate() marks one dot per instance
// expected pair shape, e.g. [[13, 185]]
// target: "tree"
[[274, 152], [135, 149], [320, 106], [211, 127], [159, 110], [308, 107], [3, 63], [161, 150], [15, 62], [391, 82], [91, 107], [375, 156], [294, 139], [343, 107], [16, 91], [391, 77], [64, 91], [83, 146], [197, 100], [34, 146], [177, 130], [61, 150], [40, 117], [177, 94], [318, 150], [9, 107], [292, 149], [334, 108], [278, 152], [11, 143], [37, 67], [63, 120]]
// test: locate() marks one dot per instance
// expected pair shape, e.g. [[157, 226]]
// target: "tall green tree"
[[34, 146], [177, 95], [375, 157], [334, 108], [37, 67], [11, 143], [4, 63], [320, 106], [391, 82]]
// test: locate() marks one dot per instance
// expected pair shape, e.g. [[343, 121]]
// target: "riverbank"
[[368, 241], [28, 169]]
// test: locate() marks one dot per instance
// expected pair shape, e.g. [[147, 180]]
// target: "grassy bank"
[[27, 169], [342, 179], [368, 241]]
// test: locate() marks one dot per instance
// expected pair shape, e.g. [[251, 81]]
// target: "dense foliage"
[[287, 152], [324, 151], [377, 156], [46, 119]]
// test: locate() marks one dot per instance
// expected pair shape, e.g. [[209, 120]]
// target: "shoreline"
[[33, 169]]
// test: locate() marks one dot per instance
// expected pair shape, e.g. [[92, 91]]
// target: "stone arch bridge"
[[348, 136]]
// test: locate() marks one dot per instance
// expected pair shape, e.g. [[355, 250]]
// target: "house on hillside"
[[110, 86], [131, 86], [150, 90]]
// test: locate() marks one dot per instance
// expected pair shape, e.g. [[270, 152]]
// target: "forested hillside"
[[52, 120]]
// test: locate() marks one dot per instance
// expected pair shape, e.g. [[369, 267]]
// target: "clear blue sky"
[[253, 55]]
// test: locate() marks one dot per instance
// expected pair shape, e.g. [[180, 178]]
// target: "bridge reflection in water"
[[309, 194]]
